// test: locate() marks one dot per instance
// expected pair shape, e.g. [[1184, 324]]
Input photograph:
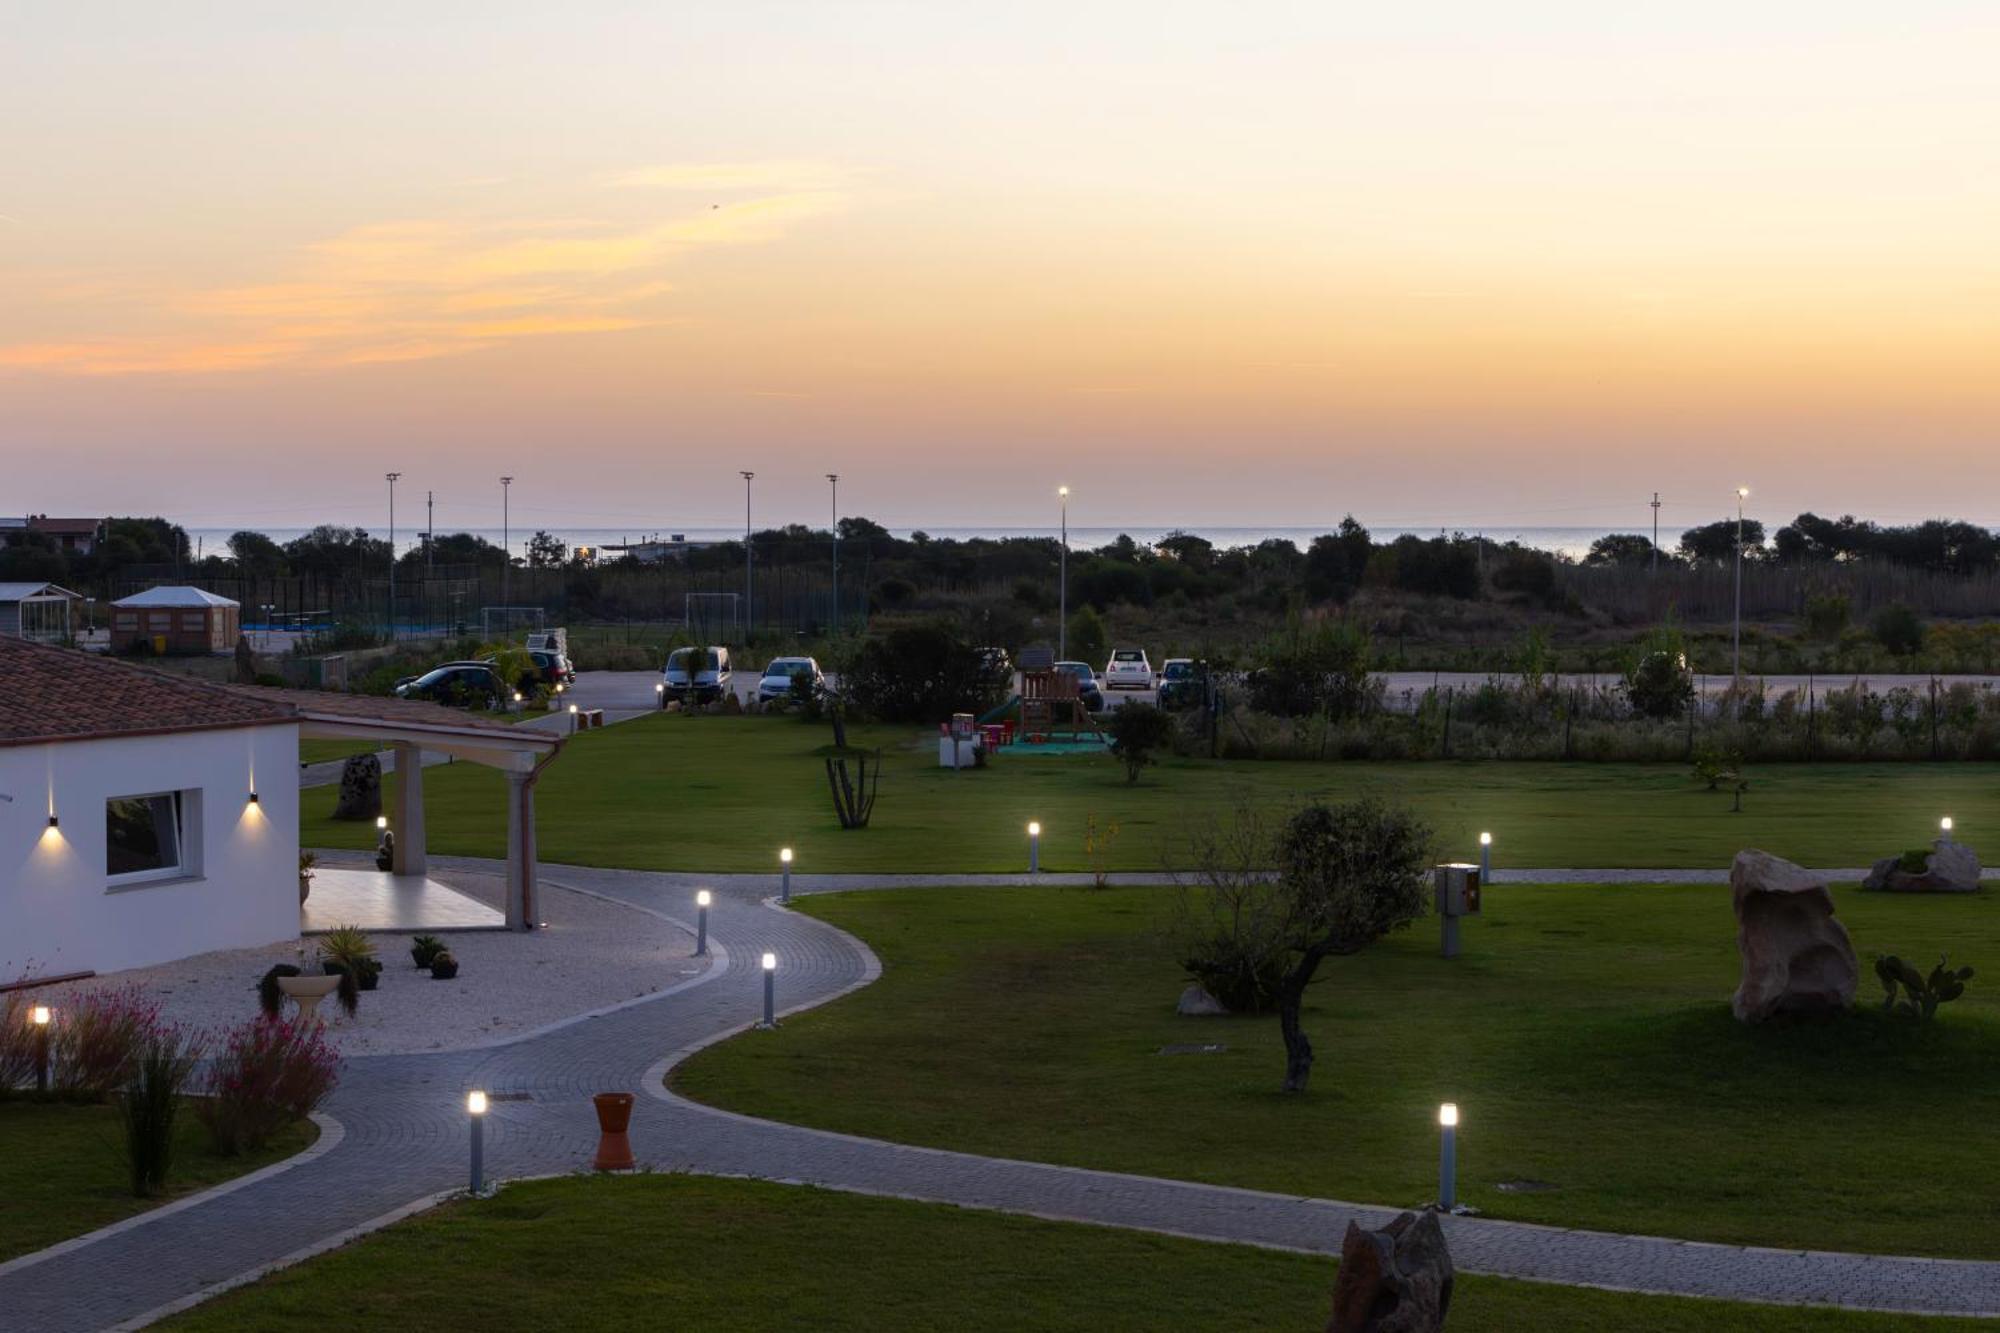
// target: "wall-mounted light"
[[52, 822], [253, 799]]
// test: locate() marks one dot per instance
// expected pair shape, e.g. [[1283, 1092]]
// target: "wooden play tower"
[[1052, 705]]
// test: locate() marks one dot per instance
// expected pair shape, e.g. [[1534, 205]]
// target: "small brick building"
[[175, 620]]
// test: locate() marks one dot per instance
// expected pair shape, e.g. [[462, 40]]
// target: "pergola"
[[409, 728]]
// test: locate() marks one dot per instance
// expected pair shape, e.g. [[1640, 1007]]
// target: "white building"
[[146, 816]]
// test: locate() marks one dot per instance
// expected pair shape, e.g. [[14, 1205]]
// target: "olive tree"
[[1346, 876]]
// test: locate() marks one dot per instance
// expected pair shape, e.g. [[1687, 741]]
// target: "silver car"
[[779, 676]]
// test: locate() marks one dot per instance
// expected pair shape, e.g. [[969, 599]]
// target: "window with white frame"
[[152, 836]]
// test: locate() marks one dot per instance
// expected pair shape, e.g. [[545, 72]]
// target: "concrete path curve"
[[404, 1137]]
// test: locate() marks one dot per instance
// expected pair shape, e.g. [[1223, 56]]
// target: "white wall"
[[58, 911]]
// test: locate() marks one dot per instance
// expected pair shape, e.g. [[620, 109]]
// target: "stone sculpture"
[[1797, 959]]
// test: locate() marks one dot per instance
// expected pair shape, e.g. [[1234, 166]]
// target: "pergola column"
[[409, 857], [520, 851]]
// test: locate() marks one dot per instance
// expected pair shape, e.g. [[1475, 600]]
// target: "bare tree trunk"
[[1298, 1050]]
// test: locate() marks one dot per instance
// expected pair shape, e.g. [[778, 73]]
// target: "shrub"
[[1922, 994], [97, 1039], [1322, 670], [425, 948], [1137, 732], [1897, 628], [1097, 840], [443, 966], [1086, 640], [1224, 923], [348, 952], [919, 673], [150, 1103], [268, 1073], [1827, 616], [270, 998]]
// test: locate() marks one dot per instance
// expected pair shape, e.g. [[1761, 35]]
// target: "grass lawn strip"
[[654, 1251], [1584, 1033], [63, 1174], [668, 791]]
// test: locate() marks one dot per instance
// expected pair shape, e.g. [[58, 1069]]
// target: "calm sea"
[[1570, 540]]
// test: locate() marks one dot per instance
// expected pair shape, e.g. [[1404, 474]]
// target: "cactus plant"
[[424, 948], [444, 967], [1921, 994]]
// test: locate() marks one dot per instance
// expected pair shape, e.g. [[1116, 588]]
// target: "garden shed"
[[43, 612], [175, 620]]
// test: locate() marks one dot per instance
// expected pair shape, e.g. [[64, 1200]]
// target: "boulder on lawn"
[[1196, 1002], [1797, 959], [1396, 1280], [360, 788], [1949, 867]]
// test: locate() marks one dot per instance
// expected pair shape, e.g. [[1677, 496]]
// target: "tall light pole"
[[506, 550], [747, 478], [1736, 630], [392, 476], [834, 479], [1656, 532], [1062, 594]]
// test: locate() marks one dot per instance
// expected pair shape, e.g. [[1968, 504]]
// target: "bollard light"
[[40, 1016], [1034, 846], [475, 1105], [1448, 1156], [701, 901], [785, 887], [770, 991], [381, 822], [660, 693], [1485, 859], [1945, 824]]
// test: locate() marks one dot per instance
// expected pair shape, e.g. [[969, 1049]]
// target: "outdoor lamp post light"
[[785, 860], [1062, 593], [1448, 1156], [573, 719], [1034, 847], [381, 822], [660, 693], [1485, 859], [1945, 825], [701, 901], [393, 477], [40, 1016], [1736, 631], [770, 991], [475, 1105]]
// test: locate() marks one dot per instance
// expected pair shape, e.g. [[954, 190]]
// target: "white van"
[[702, 673]]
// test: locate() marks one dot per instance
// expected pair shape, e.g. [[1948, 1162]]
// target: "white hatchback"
[[1128, 669]]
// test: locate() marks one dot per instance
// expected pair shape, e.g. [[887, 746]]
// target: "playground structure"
[[1047, 716]]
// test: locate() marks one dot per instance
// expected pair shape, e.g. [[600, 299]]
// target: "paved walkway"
[[404, 1138]]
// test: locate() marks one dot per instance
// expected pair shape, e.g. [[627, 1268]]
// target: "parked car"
[[459, 684], [1086, 684], [700, 673], [551, 669], [1183, 682], [1128, 669], [779, 675]]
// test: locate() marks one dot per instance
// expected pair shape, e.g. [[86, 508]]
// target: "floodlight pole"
[[747, 617], [1736, 628], [506, 544], [392, 476], [833, 478], [1062, 595]]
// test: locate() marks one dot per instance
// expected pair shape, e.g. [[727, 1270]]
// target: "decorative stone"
[[360, 788], [1396, 1280], [1196, 1002], [1950, 867], [1797, 958]]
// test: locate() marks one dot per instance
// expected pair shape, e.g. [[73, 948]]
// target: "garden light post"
[[475, 1106], [785, 885], [833, 479], [1736, 629], [1034, 847], [393, 477], [1448, 1156], [701, 902], [574, 719], [1485, 859], [770, 991], [506, 559], [1944, 826], [747, 478], [1062, 593], [660, 693], [40, 1016]]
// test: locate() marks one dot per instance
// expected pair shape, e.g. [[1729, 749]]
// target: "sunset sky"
[[1465, 264]]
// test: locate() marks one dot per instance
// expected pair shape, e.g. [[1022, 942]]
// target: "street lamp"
[[393, 477], [748, 477], [1062, 595], [833, 479], [1736, 632], [506, 536]]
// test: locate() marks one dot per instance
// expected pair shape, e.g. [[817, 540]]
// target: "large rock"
[[1196, 1002], [360, 788], [1797, 958], [1396, 1280], [1949, 867]]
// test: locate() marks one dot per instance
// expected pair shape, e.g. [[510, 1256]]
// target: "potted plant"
[[306, 863], [348, 949], [270, 996], [443, 966], [424, 948]]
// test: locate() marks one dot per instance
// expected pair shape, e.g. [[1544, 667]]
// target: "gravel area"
[[592, 955]]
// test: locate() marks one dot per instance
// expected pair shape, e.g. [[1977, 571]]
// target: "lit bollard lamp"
[[1448, 1157], [1486, 858], [660, 694], [770, 991], [701, 902], [785, 885], [1034, 847], [1457, 896], [40, 1016], [475, 1105]]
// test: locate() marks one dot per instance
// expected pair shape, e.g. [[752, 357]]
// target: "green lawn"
[[647, 1252], [1584, 1033], [62, 1169], [720, 793]]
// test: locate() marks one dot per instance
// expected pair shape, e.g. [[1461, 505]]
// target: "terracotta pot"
[[614, 1115]]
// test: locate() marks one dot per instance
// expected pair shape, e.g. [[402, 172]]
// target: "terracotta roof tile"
[[53, 694]]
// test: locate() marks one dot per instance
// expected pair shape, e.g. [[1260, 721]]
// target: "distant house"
[[175, 620], [38, 611], [78, 535]]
